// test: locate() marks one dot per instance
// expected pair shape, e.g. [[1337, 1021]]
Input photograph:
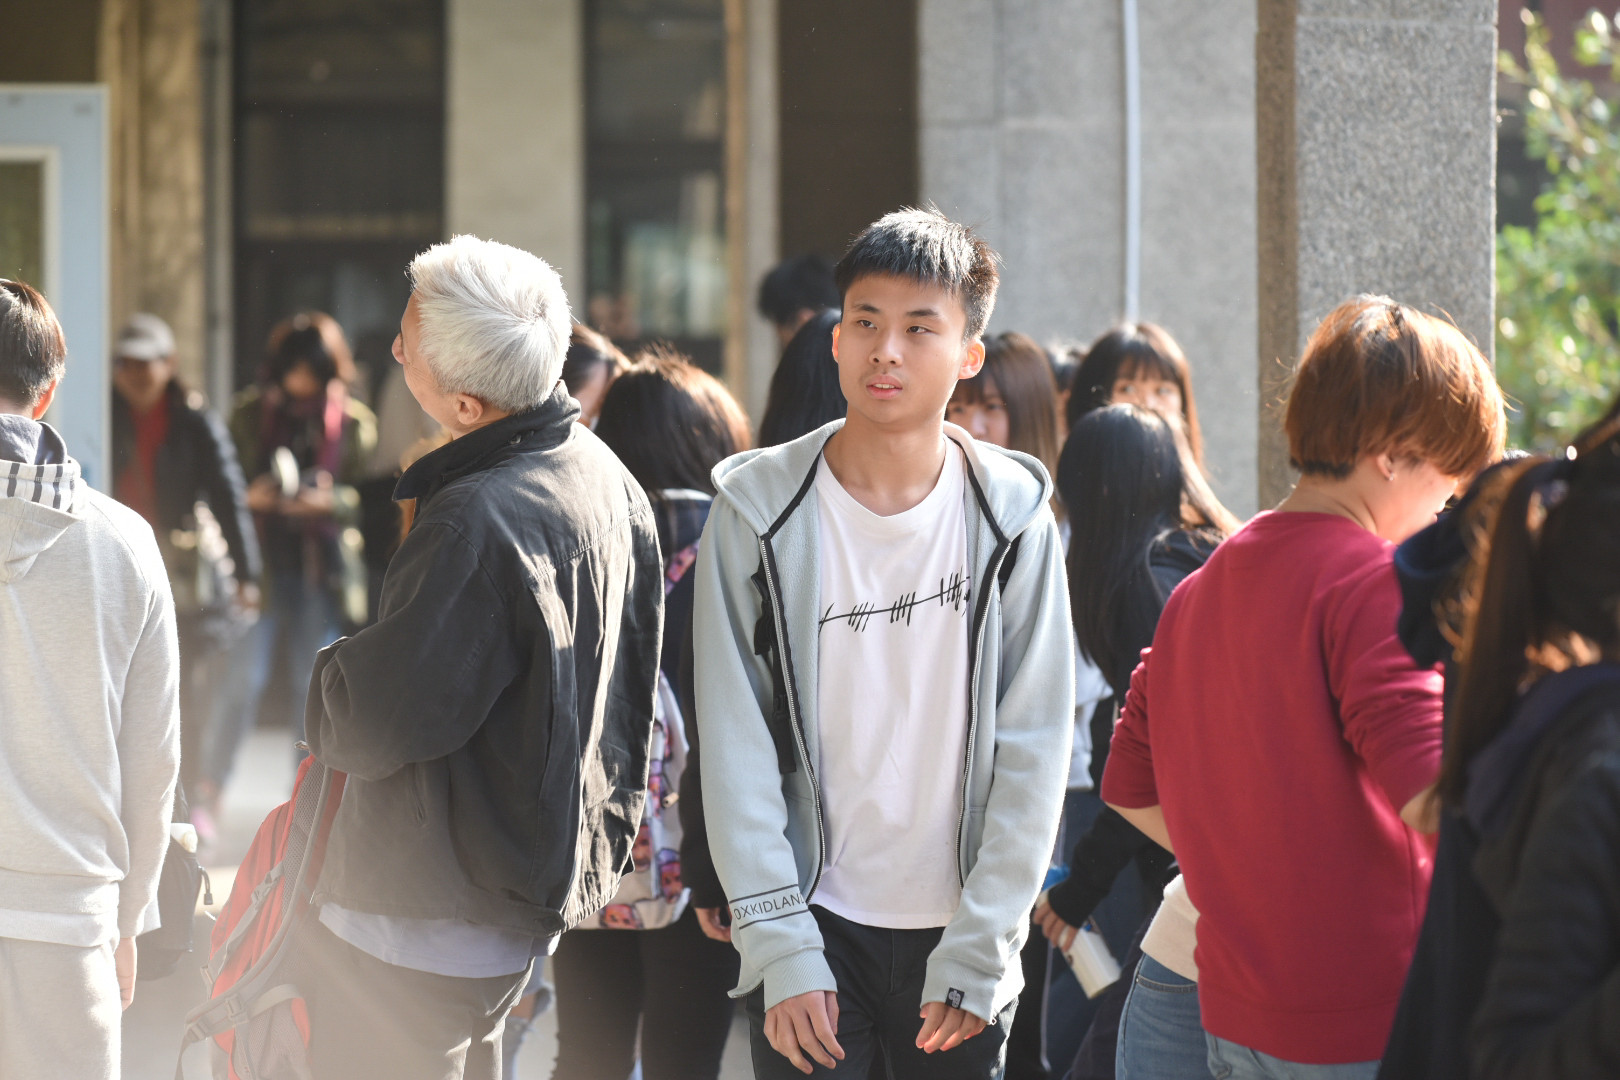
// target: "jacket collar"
[[765, 485], [543, 427]]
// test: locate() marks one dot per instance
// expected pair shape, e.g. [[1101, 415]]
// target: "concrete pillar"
[[150, 59], [753, 229], [1377, 173], [1022, 121], [515, 129]]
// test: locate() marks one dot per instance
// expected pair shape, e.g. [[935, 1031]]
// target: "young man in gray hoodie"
[[89, 727], [885, 690]]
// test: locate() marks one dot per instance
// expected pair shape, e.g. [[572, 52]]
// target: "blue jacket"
[[754, 629]]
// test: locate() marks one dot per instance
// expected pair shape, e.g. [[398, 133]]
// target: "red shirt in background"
[[1281, 725], [136, 485]]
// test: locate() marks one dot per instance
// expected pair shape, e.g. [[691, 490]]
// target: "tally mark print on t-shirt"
[[953, 593]]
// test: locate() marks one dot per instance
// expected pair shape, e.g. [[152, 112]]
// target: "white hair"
[[494, 321]]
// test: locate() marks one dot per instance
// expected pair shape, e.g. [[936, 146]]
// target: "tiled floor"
[[153, 1023]]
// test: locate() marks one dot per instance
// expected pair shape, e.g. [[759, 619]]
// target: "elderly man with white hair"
[[494, 721]]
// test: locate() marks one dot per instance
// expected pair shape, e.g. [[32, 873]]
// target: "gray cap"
[[144, 337]]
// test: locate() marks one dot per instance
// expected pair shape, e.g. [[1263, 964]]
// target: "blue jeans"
[[1160, 1034], [1229, 1061]]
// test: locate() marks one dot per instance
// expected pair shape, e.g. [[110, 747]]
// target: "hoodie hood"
[[762, 484], [39, 493]]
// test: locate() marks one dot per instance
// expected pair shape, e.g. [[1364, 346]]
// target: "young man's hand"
[[945, 1028], [806, 1024], [709, 922], [1058, 932], [124, 965]]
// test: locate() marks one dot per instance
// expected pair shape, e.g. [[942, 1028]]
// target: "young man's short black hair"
[[33, 352], [797, 283], [927, 247]]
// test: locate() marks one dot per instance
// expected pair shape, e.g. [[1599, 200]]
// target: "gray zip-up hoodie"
[[754, 631], [89, 714]]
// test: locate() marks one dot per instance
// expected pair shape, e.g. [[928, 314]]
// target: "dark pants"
[[368, 1019], [672, 983], [880, 980]]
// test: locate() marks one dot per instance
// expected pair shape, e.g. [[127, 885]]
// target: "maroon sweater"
[[1281, 726]]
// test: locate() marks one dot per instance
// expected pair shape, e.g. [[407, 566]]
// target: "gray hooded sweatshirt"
[[89, 713], [754, 632]]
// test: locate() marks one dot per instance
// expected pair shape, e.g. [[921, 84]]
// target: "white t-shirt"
[[1173, 934], [892, 691]]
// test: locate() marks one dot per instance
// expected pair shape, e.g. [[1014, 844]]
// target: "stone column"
[[1022, 121], [1377, 173], [515, 129]]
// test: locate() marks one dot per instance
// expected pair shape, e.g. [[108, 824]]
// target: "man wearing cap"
[[174, 463]]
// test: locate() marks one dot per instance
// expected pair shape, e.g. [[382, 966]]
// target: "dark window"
[[339, 163], [654, 126]]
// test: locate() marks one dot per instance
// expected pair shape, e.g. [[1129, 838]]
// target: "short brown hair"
[[1379, 377], [33, 352], [670, 422]]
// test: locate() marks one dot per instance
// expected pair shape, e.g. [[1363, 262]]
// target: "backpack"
[[651, 896], [258, 1024]]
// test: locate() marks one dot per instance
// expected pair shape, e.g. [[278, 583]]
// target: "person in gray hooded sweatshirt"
[[885, 691], [89, 727]]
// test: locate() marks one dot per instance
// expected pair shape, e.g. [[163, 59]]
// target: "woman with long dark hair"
[[1137, 364], [1012, 401], [1530, 777], [642, 974], [1127, 476], [804, 391]]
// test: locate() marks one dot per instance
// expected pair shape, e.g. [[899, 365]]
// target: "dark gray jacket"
[[494, 721]]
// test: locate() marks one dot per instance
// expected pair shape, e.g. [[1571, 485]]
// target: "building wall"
[[515, 120], [1021, 129]]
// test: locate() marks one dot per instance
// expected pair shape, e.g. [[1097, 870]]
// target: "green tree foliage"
[[1558, 283]]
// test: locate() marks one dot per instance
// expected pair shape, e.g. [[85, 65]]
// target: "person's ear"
[[972, 359], [1386, 466], [836, 328], [45, 399], [469, 410]]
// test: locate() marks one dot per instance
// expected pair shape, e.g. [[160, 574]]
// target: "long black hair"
[[1543, 588], [1123, 478], [804, 390], [670, 422]]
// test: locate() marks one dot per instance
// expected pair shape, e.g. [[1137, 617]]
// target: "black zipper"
[[768, 560]]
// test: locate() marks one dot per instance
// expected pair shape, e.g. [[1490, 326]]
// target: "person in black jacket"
[[494, 721], [662, 990], [174, 463], [1532, 766], [1131, 485]]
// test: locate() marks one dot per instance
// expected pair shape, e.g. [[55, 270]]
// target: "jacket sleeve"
[[1390, 707], [697, 865], [418, 683], [1034, 723], [149, 757], [1551, 1008], [227, 497], [743, 798], [1128, 779], [1109, 846]]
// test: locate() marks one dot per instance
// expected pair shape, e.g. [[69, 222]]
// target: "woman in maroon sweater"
[[1279, 739]]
